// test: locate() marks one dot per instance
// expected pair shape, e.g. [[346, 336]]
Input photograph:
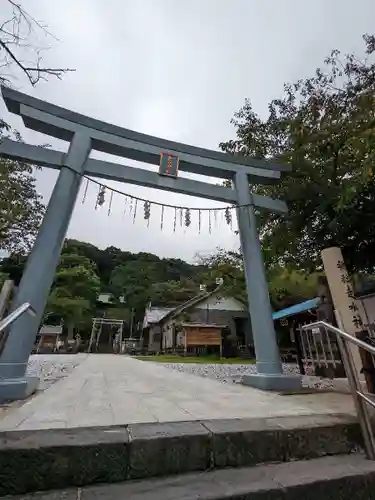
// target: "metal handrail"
[[14, 315], [343, 334], [360, 398]]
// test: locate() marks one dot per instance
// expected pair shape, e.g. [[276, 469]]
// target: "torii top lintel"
[[61, 123]]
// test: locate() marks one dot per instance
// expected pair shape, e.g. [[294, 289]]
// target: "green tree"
[[324, 127], [287, 285], [228, 266], [132, 280], [74, 292], [172, 293], [291, 286], [21, 210], [138, 278], [111, 258], [13, 266], [144, 277]]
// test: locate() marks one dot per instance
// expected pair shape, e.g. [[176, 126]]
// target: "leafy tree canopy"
[[74, 291], [287, 285], [172, 293], [21, 210], [324, 127], [140, 278], [227, 266]]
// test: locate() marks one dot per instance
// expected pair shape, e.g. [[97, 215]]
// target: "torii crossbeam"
[[85, 134]]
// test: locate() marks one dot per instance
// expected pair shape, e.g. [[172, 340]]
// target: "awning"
[[298, 308]]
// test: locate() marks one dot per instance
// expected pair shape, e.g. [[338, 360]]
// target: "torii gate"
[[85, 134]]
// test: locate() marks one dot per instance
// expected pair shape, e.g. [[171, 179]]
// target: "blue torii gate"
[[85, 134]]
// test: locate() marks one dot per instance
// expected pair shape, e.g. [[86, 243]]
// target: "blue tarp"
[[298, 308]]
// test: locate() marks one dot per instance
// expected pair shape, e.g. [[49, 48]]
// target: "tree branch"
[[12, 38], [28, 70]]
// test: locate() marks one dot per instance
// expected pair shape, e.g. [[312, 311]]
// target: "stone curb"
[[52, 459]]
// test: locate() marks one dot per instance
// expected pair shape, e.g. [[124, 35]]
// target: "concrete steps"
[[330, 478], [56, 459]]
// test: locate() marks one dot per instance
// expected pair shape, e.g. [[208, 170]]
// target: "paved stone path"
[[49, 368], [114, 390]]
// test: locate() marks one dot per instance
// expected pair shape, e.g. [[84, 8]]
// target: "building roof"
[[203, 325], [192, 302], [154, 315], [297, 309], [51, 330]]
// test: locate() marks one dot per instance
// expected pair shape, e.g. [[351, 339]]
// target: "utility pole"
[[131, 323]]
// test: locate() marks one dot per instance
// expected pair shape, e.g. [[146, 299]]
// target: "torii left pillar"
[[39, 273]]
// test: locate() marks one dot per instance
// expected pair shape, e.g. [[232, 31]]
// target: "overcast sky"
[[179, 69]]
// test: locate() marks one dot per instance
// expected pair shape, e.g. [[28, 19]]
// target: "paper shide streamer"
[[183, 214]]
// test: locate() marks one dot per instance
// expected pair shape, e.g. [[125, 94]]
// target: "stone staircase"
[[305, 458]]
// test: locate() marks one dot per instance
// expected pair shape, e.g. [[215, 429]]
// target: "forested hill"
[[142, 266], [137, 277]]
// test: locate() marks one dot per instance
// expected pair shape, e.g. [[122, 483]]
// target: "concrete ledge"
[[40, 460]]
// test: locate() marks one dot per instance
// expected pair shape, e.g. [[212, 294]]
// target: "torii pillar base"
[[277, 382], [14, 389]]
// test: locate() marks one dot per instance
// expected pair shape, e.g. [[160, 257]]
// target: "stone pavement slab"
[[107, 390]]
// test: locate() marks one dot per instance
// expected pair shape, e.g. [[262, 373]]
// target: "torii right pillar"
[[269, 374]]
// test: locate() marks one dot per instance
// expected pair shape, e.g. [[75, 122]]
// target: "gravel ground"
[[233, 373], [52, 367]]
